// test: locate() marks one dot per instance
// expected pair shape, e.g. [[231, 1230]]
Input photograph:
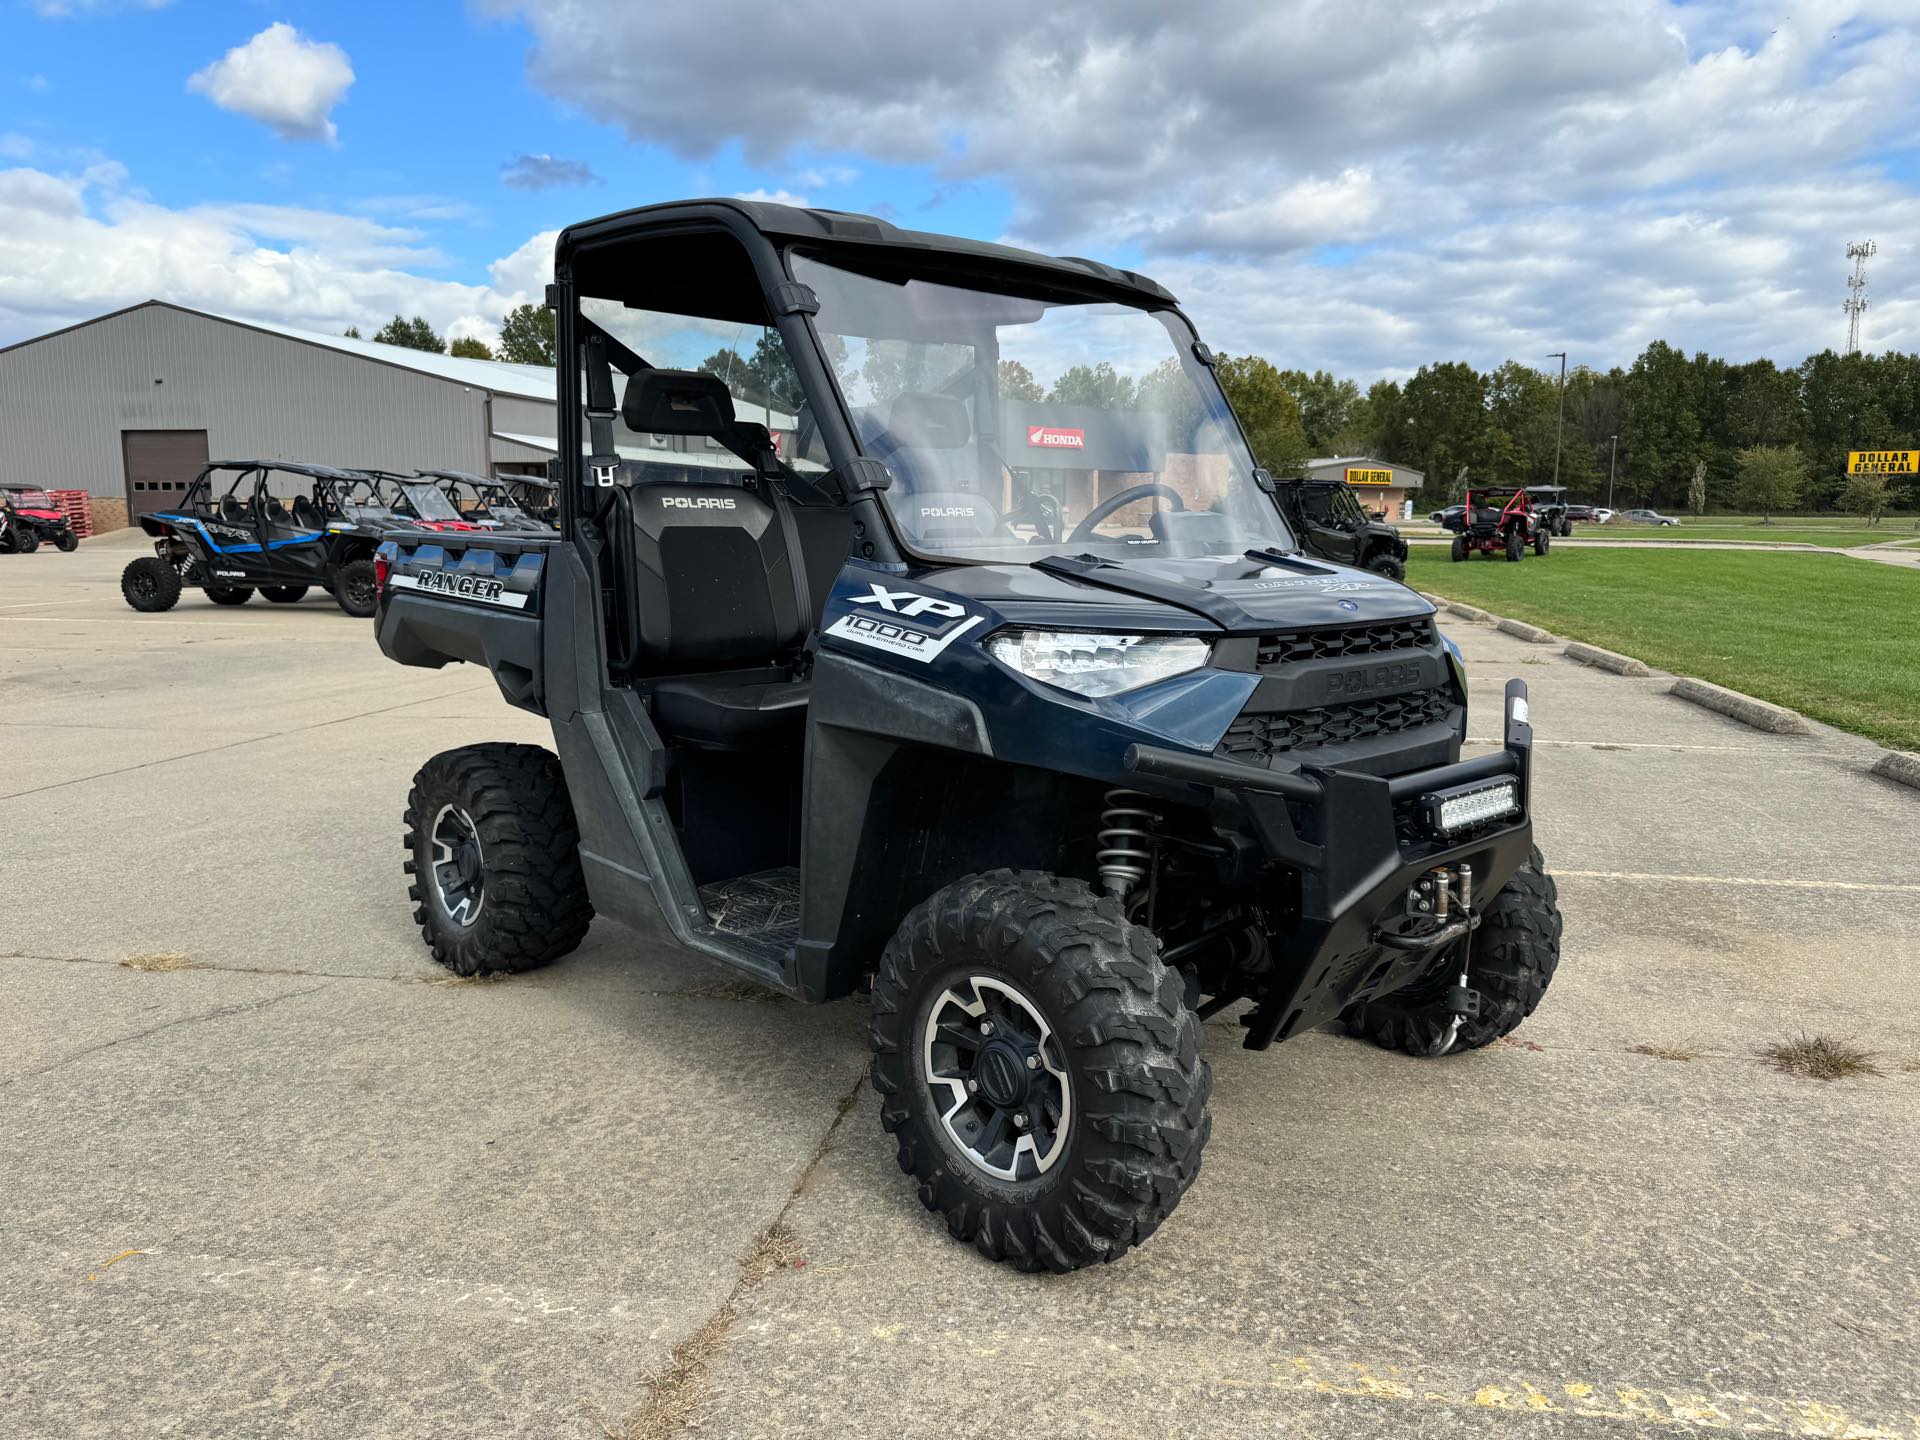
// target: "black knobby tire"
[[1391, 566], [532, 906], [1130, 1049], [1515, 952], [1541, 542], [283, 594], [25, 542], [1516, 544], [354, 589], [229, 594], [1459, 547], [67, 541], [1566, 529], [150, 584]]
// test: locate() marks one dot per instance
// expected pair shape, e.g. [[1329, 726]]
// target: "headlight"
[[1094, 665]]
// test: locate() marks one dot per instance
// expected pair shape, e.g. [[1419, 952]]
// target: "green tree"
[[1867, 496], [1661, 442], [1098, 385], [1697, 490], [1523, 409], [1771, 478], [352, 332], [526, 335], [1328, 410], [1443, 422], [414, 334], [468, 348], [1017, 382], [1267, 410]]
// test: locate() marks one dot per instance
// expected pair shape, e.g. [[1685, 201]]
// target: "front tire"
[[67, 541], [354, 589], [1513, 956], [1541, 542], [25, 542], [494, 852], [150, 584], [1390, 566], [283, 594], [1516, 546], [1039, 1069], [1459, 548]]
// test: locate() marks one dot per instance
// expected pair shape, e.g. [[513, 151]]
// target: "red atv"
[[29, 518], [1497, 519]]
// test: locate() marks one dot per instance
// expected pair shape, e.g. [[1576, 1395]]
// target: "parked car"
[[1447, 518], [1650, 517], [1583, 512], [1602, 515]]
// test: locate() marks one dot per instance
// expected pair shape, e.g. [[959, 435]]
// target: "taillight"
[[382, 572]]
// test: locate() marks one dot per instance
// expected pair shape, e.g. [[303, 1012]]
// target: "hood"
[[1249, 594]]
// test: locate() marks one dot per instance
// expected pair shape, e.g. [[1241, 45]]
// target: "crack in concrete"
[[678, 1392], [217, 1013]]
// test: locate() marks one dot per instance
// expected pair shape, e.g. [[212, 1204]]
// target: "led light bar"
[[1466, 806]]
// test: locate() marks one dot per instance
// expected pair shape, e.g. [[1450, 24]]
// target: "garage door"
[[161, 464]]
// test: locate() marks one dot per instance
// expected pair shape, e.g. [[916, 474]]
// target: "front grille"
[[1257, 738], [1278, 650]]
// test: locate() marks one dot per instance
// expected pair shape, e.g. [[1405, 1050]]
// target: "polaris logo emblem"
[[484, 588], [701, 502], [946, 512], [1372, 679]]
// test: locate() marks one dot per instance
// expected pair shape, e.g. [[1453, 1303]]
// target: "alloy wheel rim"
[[457, 865], [997, 1074]]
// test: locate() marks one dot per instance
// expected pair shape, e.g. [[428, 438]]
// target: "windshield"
[[429, 502], [31, 499], [1018, 428]]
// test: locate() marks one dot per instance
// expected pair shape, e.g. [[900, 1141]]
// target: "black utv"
[[1329, 521], [1032, 718], [231, 537]]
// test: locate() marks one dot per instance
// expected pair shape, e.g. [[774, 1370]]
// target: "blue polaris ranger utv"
[[919, 621]]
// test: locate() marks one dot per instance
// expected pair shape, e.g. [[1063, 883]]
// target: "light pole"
[[1613, 454], [1560, 425]]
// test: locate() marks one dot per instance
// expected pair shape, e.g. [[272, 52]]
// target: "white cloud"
[[1367, 183], [281, 79], [773, 197], [75, 246], [545, 172]]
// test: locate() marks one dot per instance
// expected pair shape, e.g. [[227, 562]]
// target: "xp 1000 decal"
[[903, 622]]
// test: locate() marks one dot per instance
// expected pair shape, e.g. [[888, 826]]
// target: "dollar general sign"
[[1369, 477], [1883, 462]]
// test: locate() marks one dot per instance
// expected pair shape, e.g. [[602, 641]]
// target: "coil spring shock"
[[1126, 840]]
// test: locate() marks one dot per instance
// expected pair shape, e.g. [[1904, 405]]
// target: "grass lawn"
[[1833, 638], [1694, 532]]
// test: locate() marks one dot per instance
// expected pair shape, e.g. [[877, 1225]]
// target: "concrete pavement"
[[314, 1188]]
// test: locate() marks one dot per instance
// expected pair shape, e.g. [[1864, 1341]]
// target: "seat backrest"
[[234, 509], [305, 513], [711, 577]]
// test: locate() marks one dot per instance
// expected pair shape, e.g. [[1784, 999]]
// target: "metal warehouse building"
[[131, 405], [1375, 483]]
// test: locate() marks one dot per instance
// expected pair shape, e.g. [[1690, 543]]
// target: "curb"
[[1467, 612], [1532, 634], [1605, 659], [1899, 766], [1775, 719]]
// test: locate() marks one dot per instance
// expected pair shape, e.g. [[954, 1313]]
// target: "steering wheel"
[[1038, 509], [1084, 530]]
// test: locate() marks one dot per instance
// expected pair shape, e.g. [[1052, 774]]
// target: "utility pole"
[[1613, 454], [1856, 302], [1560, 426]]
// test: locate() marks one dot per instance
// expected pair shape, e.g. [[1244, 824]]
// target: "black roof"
[[845, 231], [291, 467]]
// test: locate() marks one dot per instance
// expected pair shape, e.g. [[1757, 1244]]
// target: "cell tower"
[[1856, 302]]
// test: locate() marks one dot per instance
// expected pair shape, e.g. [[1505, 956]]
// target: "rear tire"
[[67, 541], [1459, 547], [283, 594], [1515, 952], [229, 594], [1390, 566], [354, 590], [1093, 1046], [1541, 542], [494, 852], [150, 584]]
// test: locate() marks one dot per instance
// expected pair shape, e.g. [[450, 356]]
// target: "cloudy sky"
[[1364, 185]]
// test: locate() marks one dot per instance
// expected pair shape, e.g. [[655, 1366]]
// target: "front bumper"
[[1356, 843]]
